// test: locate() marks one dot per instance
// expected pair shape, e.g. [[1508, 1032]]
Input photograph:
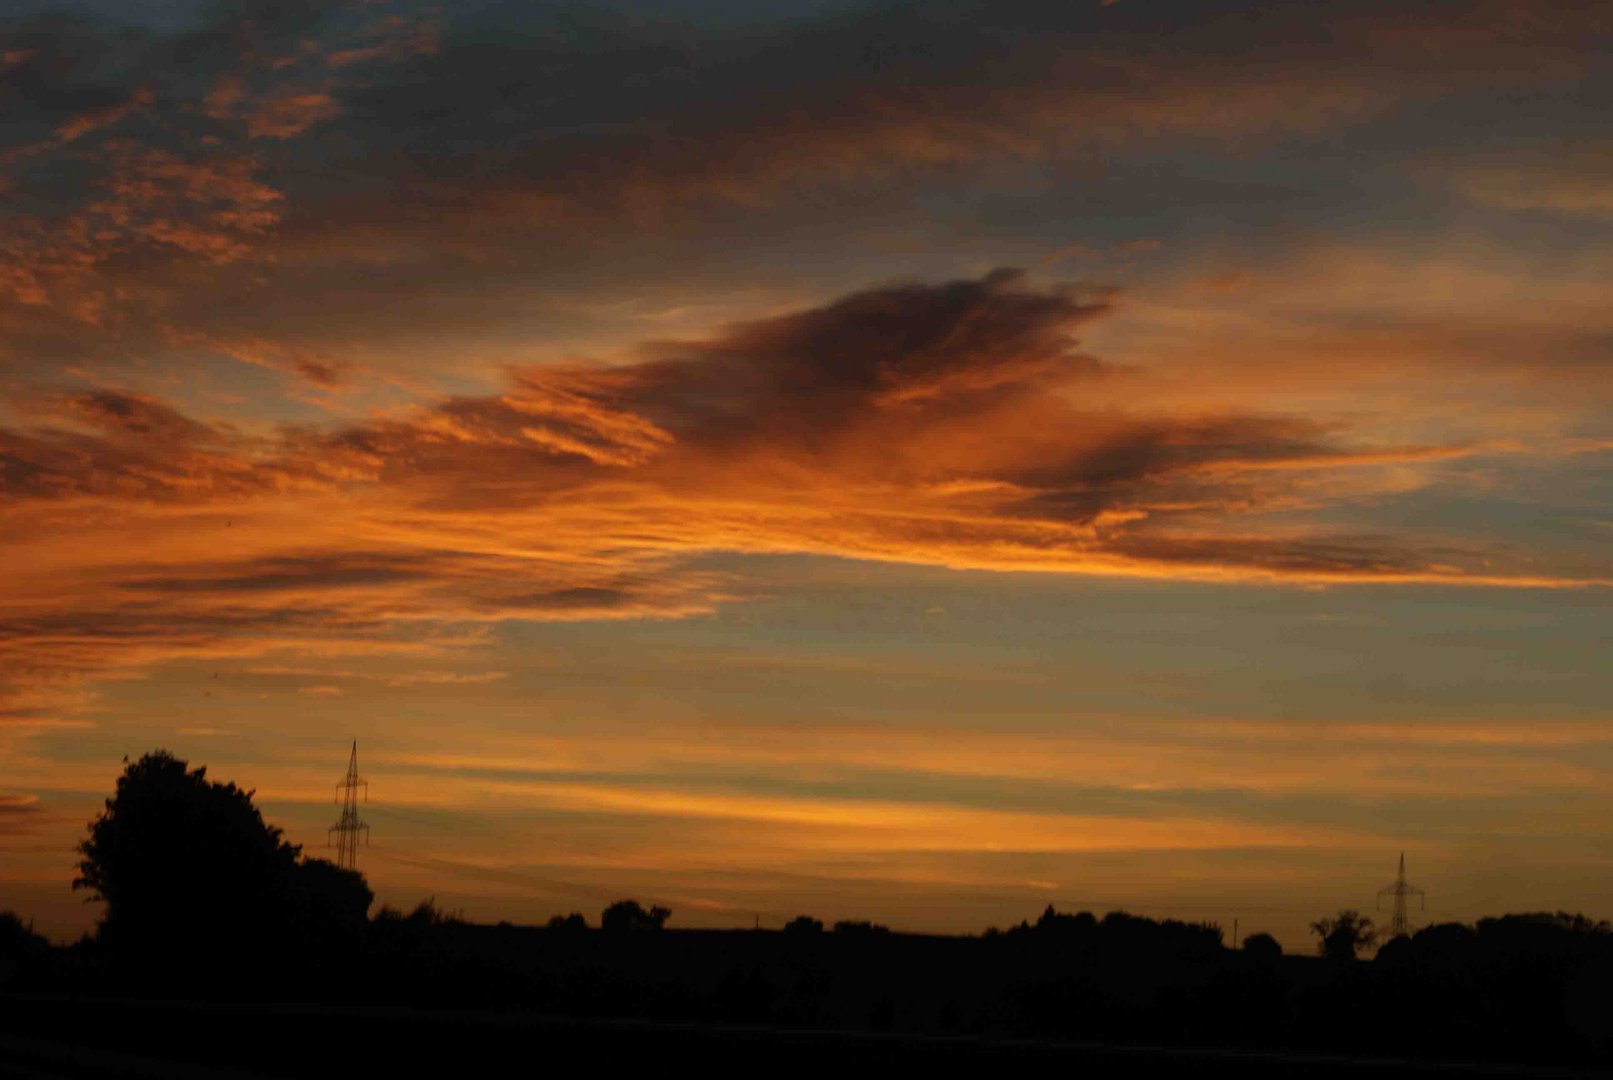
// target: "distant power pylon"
[[1399, 925], [348, 826]]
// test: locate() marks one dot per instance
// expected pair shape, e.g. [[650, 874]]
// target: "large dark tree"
[[184, 861]]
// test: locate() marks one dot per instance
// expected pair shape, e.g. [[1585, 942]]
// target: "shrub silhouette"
[[1262, 947], [572, 922], [804, 924], [394, 929], [20, 948], [860, 926], [629, 915]]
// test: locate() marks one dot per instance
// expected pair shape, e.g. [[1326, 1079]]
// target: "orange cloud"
[[390, 38], [104, 117], [927, 424], [289, 115]]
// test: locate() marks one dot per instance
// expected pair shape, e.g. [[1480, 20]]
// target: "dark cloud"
[[137, 448], [16, 804], [1144, 449], [62, 465], [58, 70], [940, 424], [137, 417], [18, 813], [927, 422], [587, 104], [407, 155], [1341, 557], [286, 573], [813, 374], [974, 381]]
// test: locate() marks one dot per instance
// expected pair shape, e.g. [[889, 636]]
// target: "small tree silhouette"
[[630, 915], [1342, 935], [804, 924]]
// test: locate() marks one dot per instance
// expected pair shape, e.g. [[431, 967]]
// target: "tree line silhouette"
[[204, 899]]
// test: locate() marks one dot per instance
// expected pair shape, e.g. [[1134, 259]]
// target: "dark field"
[[1520, 996], [50, 1036]]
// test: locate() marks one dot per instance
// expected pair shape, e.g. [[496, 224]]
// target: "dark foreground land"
[[49, 1036], [213, 921], [1117, 996]]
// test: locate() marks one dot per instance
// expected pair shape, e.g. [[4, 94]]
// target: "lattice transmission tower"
[[1399, 925], [348, 826]]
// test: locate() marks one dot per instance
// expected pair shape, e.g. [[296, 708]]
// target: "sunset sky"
[[915, 461]]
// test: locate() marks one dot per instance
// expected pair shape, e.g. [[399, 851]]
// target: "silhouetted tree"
[[1545, 924], [331, 900], [630, 915], [182, 861], [1065, 922], [574, 921], [1262, 947], [1342, 935], [804, 924]]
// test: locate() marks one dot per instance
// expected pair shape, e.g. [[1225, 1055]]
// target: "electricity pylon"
[[1399, 925], [348, 826]]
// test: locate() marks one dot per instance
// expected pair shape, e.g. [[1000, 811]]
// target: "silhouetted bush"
[[1262, 948], [804, 924], [860, 926], [630, 915], [426, 914], [21, 950], [573, 922], [1065, 923]]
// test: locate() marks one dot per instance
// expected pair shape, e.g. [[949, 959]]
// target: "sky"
[[918, 462]]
